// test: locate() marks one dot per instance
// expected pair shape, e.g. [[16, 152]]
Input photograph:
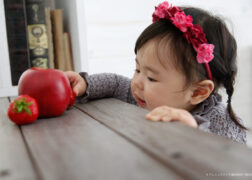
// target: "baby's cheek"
[[151, 106], [132, 87], [152, 102]]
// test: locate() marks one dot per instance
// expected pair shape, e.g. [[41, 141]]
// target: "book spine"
[[68, 52], [37, 33], [16, 26], [50, 38], [57, 21]]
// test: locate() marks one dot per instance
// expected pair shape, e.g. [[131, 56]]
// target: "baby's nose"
[[139, 83]]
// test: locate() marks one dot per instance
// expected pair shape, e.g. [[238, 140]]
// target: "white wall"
[[6, 88], [114, 25]]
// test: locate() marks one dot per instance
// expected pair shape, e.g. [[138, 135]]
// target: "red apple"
[[51, 89]]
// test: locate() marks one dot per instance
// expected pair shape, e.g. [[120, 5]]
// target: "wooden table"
[[109, 139]]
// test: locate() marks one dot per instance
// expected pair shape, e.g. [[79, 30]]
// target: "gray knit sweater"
[[211, 115]]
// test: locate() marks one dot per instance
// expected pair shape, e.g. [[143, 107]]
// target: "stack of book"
[[36, 37]]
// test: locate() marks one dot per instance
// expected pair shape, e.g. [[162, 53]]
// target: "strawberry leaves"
[[21, 105]]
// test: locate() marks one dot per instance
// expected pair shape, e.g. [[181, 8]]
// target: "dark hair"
[[223, 66]]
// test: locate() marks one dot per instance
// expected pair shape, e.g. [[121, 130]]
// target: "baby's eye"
[[151, 79], [137, 70]]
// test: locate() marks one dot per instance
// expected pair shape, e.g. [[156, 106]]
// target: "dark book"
[[16, 27], [50, 38], [37, 33]]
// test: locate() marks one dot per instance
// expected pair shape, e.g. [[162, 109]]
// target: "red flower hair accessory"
[[192, 32]]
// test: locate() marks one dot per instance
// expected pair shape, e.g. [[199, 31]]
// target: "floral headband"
[[192, 32]]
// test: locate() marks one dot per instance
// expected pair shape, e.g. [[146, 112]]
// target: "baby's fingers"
[[159, 114], [71, 75], [164, 118], [153, 117], [78, 89], [78, 84]]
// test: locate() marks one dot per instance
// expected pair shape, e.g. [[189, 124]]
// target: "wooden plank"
[[75, 146], [14, 159], [189, 151]]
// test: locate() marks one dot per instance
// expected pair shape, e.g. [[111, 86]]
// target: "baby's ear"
[[201, 91]]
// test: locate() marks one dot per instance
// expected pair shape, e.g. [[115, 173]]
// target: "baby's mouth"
[[141, 102]]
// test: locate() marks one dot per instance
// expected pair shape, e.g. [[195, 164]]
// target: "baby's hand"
[[78, 84], [165, 113]]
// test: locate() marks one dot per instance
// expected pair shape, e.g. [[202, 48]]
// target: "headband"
[[192, 32]]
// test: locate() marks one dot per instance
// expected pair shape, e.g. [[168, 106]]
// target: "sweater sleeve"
[[107, 85]]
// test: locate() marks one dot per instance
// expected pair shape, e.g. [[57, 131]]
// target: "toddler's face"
[[155, 84]]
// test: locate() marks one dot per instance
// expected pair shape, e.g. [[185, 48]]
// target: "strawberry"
[[23, 110]]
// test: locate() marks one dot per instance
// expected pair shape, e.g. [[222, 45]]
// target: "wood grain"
[[188, 151], [75, 146], [14, 159]]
